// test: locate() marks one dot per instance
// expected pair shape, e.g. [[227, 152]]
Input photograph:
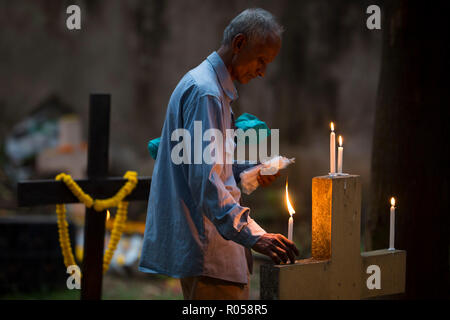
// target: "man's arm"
[[232, 220]]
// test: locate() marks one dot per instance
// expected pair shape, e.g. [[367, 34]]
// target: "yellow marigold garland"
[[98, 205]]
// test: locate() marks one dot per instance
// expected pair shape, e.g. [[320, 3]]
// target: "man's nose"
[[261, 70]]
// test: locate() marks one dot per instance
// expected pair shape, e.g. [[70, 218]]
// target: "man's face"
[[250, 59]]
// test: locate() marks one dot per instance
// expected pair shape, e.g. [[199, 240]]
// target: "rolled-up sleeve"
[[208, 190]]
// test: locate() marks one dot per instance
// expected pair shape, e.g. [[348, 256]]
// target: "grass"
[[44, 295], [130, 286]]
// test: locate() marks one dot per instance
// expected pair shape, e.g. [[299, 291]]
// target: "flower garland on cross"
[[98, 205]]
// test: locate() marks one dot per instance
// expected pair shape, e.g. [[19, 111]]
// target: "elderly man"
[[196, 229]]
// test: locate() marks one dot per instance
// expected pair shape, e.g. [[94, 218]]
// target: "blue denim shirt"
[[195, 223]]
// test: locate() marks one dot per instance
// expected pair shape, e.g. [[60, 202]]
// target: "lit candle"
[[332, 150], [392, 226], [290, 227], [340, 155], [291, 212]]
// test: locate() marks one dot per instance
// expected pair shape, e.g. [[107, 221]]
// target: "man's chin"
[[245, 80]]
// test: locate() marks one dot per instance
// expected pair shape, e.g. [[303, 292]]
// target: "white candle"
[[291, 212], [332, 149], [340, 155], [290, 228], [392, 225]]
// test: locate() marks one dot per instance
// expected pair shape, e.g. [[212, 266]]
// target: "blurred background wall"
[[138, 50]]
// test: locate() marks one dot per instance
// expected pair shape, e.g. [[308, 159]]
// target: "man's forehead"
[[268, 46]]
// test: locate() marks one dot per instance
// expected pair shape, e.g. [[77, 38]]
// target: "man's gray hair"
[[255, 23]]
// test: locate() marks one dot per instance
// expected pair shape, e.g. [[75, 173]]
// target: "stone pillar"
[[337, 269]]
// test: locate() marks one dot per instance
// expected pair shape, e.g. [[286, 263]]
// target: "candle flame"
[[340, 141], [393, 201], [107, 215], [332, 126], [288, 203]]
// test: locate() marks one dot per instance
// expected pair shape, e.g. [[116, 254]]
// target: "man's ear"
[[239, 42]]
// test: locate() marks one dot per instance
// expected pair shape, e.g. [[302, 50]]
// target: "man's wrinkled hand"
[[266, 180], [277, 247]]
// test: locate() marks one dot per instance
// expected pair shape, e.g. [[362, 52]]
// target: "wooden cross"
[[337, 268], [98, 185]]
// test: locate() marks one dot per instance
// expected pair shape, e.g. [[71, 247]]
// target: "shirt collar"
[[223, 75]]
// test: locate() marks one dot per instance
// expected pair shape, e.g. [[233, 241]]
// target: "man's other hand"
[[266, 180], [277, 247]]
